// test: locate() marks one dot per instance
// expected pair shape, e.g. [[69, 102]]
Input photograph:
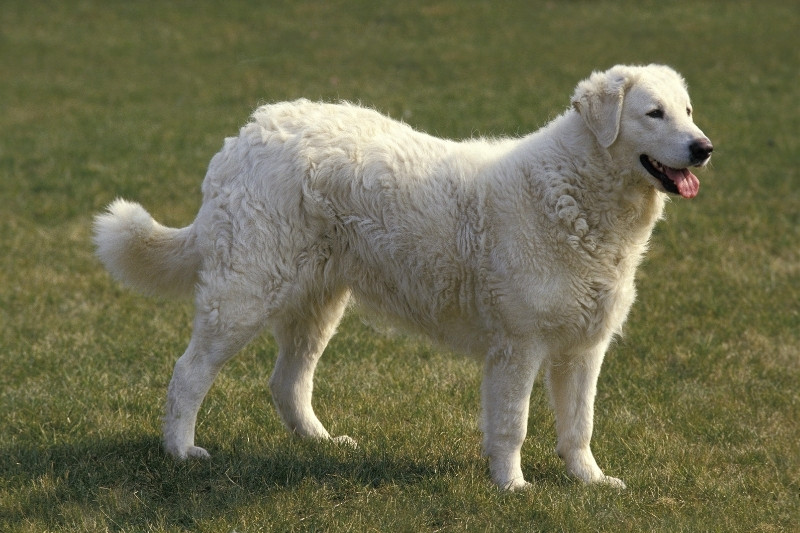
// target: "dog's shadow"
[[135, 484]]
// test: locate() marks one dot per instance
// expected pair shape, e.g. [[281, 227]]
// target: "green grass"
[[698, 408]]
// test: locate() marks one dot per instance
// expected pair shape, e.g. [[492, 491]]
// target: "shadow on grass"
[[130, 483]]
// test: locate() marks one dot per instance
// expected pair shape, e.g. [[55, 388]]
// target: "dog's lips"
[[674, 180]]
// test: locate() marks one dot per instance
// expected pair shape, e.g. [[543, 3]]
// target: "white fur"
[[520, 252]]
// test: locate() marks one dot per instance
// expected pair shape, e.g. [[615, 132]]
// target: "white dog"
[[521, 252]]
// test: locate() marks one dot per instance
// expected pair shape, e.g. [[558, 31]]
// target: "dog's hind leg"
[[302, 337], [221, 328]]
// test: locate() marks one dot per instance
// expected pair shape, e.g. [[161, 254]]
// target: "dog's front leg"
[[505, 396], [573, 385]]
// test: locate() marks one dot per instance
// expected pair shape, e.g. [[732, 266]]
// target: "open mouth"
[[674, 180]]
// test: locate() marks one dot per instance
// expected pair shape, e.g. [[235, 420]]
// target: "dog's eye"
[[689, 111], [656, 113]]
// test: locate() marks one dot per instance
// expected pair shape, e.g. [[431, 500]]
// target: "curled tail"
[[145, 255]]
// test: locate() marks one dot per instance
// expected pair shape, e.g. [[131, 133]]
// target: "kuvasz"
[[521, 252]]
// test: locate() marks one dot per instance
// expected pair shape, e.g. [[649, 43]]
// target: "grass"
[[698, 408]]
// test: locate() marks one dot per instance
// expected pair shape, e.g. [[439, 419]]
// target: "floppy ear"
[[599, 102]]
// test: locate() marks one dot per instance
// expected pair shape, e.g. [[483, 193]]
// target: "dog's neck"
[[586, 175], [629, 198]]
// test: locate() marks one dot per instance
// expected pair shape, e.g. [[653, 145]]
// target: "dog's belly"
[[431, 298]]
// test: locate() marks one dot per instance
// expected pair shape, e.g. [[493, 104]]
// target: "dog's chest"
[[570, 289], [596, 252], [573, 310]]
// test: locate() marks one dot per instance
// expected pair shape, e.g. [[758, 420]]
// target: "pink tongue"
[[687, 183]]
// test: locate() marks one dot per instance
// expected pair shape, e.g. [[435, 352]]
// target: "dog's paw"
[[345, 440], [182, 453], [516, 485], [613, 482], [197, 452]]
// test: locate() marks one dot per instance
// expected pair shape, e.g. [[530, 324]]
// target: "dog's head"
[[643, 117]]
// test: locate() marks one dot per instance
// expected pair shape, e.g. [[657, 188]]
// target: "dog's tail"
[[145, 255]]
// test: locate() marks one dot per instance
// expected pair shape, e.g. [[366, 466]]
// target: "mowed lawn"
[[698, 406]]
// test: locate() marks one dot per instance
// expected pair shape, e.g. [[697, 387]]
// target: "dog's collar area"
[[656, 170]]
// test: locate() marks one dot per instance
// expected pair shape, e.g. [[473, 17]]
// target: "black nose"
[[701, 150]]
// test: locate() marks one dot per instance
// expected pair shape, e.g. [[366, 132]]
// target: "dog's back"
[[347, 197]]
